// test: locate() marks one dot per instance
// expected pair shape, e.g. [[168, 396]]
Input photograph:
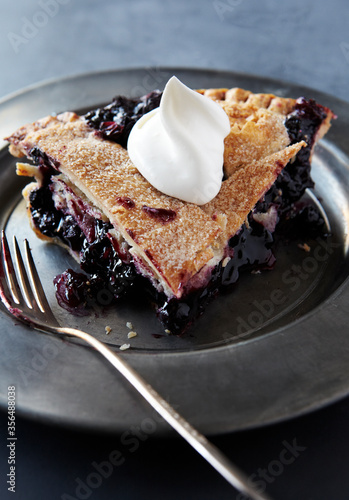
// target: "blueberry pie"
[[130, 235]]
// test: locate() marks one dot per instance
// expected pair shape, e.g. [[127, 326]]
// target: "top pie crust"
[[257, 125], [174, 250]]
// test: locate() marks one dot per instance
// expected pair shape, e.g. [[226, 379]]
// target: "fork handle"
[[197, 440]]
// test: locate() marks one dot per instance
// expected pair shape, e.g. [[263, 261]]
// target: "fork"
[[23, 296]]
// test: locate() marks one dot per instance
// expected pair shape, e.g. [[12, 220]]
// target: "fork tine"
[[9, 269], [5, 295], [36, 283], [23, 277], [20, 285]]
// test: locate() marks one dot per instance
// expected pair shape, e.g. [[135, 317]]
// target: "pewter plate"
[[275, 347]]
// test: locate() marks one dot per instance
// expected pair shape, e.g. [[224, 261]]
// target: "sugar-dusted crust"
[[257, 125], [172, 249]]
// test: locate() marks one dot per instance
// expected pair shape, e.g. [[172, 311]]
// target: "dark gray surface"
[[304, 42]]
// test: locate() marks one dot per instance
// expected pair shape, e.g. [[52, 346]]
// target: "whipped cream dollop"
[[178, 147]]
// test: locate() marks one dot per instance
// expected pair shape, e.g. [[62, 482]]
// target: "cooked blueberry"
[[162, 214], [126, 202], [115, 121], [71, 290], [45, 217]]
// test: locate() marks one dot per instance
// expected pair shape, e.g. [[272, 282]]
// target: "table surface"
[[304, 42]]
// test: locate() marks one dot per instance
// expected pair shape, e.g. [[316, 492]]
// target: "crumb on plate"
[[225, 261], [304, 246]]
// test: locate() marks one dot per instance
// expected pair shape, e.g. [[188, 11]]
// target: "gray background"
[[305, 42], [302, 41]]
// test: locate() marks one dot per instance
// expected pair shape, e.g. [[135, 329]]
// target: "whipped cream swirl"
[[178, 147]]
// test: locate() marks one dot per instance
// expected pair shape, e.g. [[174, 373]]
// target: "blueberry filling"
[[115, 121], [44, 215], [71, 291], [107, 277], [110, 272], [302, 124]]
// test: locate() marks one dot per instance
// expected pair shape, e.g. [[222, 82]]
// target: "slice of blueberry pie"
[[171, 194]]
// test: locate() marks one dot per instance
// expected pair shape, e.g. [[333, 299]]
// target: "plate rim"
[[87, 74], [342, 289]]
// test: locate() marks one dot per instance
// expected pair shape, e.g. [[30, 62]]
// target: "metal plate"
[[276, 347]]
